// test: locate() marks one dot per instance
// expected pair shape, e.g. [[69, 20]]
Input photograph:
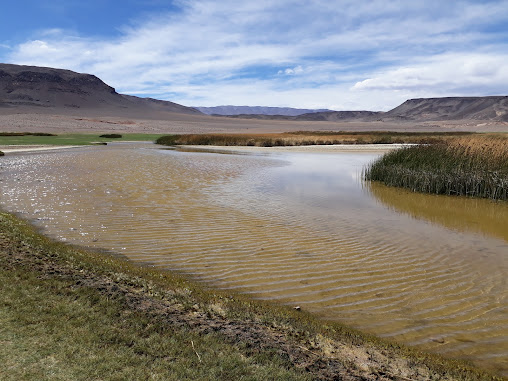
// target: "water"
[[302, 228]]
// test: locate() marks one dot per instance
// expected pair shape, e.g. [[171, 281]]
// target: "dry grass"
[[491, 149], [302, 138]]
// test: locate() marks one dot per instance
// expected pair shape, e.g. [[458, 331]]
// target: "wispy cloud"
[[347, 54]]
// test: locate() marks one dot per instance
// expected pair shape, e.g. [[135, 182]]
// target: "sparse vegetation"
[[302, 138], [26, 134], [67, 313], [474, 166]]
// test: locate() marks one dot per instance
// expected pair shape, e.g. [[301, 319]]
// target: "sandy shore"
[[30, 148], [335, 148]]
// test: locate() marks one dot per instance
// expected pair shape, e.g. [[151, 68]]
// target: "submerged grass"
[[302, 138], [475, 166], [68, 313]]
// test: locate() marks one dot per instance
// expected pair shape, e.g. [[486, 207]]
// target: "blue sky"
[[343, 55]]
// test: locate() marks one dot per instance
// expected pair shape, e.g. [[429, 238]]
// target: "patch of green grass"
[[71, 139], [51, 331]]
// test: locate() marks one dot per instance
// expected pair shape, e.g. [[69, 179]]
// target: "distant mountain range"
[[46, 90], [493, 108], [256, 110]]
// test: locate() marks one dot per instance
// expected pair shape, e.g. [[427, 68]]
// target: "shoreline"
[[31, 148], [316, 349], [332, 148]]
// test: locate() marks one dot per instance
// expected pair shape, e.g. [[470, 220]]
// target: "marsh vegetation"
[[475, 166], [303, 138]]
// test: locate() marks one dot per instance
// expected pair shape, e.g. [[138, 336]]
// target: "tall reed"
[[469, 166]]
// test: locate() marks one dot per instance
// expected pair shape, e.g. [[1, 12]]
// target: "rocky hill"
[[44, 88], [451, 108]]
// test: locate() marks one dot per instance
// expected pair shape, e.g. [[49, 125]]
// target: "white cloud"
[[457, 74], [347, 54], [292, 71]]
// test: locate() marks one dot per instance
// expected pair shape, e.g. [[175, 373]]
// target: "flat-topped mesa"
[[21, 79], [452, 108], [43, 88]]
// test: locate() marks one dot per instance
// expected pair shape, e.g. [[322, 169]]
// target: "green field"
[[71, 139]]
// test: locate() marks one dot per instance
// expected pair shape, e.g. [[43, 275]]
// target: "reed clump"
[[475, 166]]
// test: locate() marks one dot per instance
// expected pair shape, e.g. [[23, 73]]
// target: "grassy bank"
[[67, 313], [31, 138], [475, 166], [302, 138]]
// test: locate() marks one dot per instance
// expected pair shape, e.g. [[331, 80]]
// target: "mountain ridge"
[[33, 89]]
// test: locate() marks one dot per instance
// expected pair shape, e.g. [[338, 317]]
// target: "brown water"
[[302, 228]]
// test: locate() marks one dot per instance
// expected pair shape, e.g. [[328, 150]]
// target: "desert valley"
[[255, 234]]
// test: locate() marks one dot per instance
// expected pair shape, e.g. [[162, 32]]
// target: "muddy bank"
[[30, 148]]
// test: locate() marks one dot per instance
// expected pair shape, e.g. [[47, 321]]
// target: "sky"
[[340, 55]]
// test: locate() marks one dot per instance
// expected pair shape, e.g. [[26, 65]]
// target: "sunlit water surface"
[[301, 228]]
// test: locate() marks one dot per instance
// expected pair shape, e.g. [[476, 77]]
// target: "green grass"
[[72, 139], [59, 332], [476, 166]]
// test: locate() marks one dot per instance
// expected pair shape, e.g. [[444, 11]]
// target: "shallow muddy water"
[[297, 227]]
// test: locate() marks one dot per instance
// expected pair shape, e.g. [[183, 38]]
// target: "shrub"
[[111, 136]]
